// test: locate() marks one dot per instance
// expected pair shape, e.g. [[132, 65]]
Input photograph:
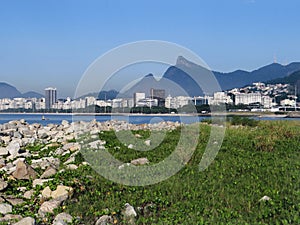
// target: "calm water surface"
[[135, 119]]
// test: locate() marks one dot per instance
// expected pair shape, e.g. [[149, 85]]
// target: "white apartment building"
[[220, 98], [288, 102], [267, 102], [177, 102], [149, 102], [246, 99], [90, 100], [137, 96]]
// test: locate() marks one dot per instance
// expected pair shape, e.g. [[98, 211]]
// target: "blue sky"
[[51, 43]]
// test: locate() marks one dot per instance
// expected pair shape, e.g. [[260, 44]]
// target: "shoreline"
[[251, 114]]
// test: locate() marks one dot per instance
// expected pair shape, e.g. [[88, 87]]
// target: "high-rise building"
[[137, 96], [50, 97], [159, 94]]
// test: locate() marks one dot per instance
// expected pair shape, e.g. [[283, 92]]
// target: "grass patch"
[[252, 162]]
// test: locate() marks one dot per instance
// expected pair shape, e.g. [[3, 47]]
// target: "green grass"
[[253, 162]]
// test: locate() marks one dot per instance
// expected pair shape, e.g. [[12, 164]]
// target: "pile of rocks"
[[22, 160]]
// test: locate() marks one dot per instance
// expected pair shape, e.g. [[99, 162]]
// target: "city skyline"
[[256, 97], [59, 40]]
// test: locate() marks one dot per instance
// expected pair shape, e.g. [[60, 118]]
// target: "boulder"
[[13, 149], [71, 147], [72, 167], [26, 221], [45, 162], [24, 171], [96, 144], [6, 139], [39, 182], [28, 194], [62, 192], [46, 193], [3, 185], [49, 172], [15, 201], [2, 162], [139, 161], [148, 142], [129, 211], [17, 134], [62, 219], [10, 217], [3, 151], [104, 220], [70, 160], [5, 208], [129, 214], [48, 207]]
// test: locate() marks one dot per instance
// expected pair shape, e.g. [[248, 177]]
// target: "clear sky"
[[52, 42]]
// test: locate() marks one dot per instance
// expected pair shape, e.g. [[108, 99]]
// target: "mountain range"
[[292, 79], [9, 91], [177, 80]]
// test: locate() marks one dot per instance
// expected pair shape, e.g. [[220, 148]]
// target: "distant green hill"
[[293, 79]]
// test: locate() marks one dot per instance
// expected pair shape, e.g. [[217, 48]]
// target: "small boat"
[[44, 118]]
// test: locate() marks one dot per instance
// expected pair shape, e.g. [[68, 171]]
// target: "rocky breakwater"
[[36, 164]]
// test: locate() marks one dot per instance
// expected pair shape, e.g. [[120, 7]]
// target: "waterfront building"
[[149, 102], [137, 96], [50, 97], [248, 98], [159, 94], [177, 102]]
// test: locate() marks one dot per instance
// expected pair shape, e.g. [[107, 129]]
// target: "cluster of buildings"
[[258, 94]]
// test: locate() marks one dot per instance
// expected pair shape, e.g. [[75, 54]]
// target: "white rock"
[[17, 160], [48, 207], [96, 144], [61, 192], [10, 217], [45, 162], [3, 151], [71, 146], [123, 166], [148, 142], [129, 211], [6, 139], [46, 193], [138, 135], [13, 149], [28, 194], [48, 172], [139, 161], [65, 123], [22, 189], [39, 182], [62, 219], [104, 220], [3, 184], [265, 198], [5, 208], [26, 221], [70, 160], [72, 167]]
